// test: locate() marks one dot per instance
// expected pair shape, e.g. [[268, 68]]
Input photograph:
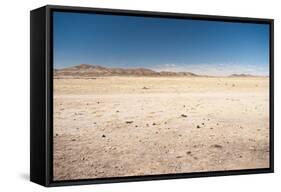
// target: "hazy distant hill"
[[86, 70], [242, 75]]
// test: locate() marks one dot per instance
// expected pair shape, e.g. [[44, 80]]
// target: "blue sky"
[[203, 47]]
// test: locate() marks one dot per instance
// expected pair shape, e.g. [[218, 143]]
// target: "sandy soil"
[[124, 126]]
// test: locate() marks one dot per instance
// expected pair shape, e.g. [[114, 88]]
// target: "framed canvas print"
[[119, 95]]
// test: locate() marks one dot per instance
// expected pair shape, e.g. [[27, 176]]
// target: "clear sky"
[[202, 47]]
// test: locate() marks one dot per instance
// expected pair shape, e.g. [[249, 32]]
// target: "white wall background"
[[14, 97]]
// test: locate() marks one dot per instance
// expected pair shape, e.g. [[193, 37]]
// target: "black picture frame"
[[41, 95]]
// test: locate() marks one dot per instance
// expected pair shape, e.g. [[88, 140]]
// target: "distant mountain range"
[[86, 70], [89, 71]]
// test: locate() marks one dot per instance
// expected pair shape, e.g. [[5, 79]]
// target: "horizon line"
[[168, 70]]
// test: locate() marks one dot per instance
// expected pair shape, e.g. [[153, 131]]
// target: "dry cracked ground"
[[125, 126]]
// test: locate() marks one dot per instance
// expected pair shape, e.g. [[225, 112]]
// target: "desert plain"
[[116, 126]]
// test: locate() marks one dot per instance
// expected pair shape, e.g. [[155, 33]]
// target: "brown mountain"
[[86, 70]]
